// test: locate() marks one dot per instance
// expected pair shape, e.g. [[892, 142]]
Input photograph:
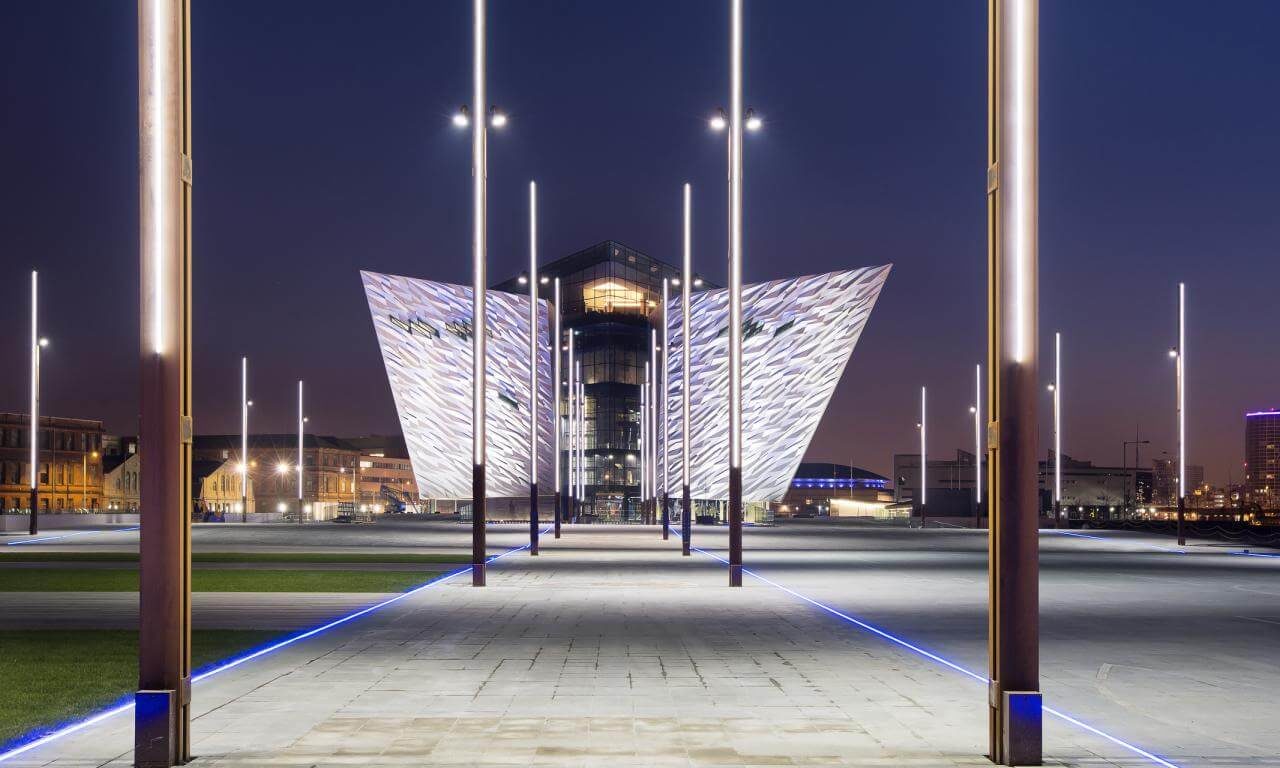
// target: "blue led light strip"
[[900, 642], [223, 666], [1253, 554], [1116, 543], [69, 535]]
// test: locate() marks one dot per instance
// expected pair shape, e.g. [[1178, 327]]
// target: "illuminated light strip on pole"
[[644, 444], [924, 452], [244, 439], [736, 119], [222, 666], [159, 118], [666, 420], [301, 419], [686, 344], [479, 255], [977, 437], [533, 368], [1022, 214], [1057, 421], [1182, 391], [653, 418], [571, 429], [35, 397], [555, 406], [920, 651], [582, 435]]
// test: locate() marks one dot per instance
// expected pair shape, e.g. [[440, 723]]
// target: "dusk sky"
[[323, 146]]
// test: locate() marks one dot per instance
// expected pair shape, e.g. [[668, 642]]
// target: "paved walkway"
[[609, 649]]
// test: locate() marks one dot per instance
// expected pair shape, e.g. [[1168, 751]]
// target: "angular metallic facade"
[[798, 336], [424, 331]]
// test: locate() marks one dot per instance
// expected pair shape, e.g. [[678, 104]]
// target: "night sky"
[[323, 146]]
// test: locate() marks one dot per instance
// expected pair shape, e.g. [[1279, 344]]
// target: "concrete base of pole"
[[155, 719], [478, 550], [686, 520], [559, 500], [533, 518], [735, 526], [1023, 713]]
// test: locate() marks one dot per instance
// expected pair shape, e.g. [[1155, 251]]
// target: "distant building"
[[1262, 458], [120, 482], [69, 457], [1164, 478], [330, 468], [951, 484], [822, 488], [217, 488]]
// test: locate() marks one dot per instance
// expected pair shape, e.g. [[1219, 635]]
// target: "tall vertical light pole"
[[555, 403], [924, 454], [162, 715], [1055, 388], [735, 293], [36, 344], [1014, 699], [479, 255], [644, 446], [976, 410], [533, 368], [571, 432], [244, 439], [582, 438], [301, 421], [686, 283], [654, 492], [1180, 363], [666, 420]]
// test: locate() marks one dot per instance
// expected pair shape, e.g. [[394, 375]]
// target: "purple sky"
[[323, 146]]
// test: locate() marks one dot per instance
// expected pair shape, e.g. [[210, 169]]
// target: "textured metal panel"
[[797, 337], [423, 329]]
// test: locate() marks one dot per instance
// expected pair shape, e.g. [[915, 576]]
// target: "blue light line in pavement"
[[69, 535], [1117, 543], [222, 666], [1253, 554], [978, 678]]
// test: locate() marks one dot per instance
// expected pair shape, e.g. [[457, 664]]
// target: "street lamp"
[[555, 404], [666, 451], [924, 455], [479, 256], [735, 121], [37, 344], [571, 431], [1180, 363], [244, 439], [301, 421], [84, 478], [1055, 388], [644, 446], [976, 410], [533, 368], [686, 506]]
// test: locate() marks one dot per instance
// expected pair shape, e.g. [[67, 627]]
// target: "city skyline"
[[1134, 156]]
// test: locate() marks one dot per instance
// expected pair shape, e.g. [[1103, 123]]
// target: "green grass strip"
[[460, 558], [213, 580], [52, 676]]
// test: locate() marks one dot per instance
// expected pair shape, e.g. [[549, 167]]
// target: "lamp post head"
[[44, 342], [1173, 352], [973, 409], [462, 118], [719, 121], [523, 279], [544, 280], [282, 467], [754, 123], [1052, 387], [497, 118]]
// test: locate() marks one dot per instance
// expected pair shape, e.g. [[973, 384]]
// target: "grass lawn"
[[51, 676], [461, 558], [213, 580]]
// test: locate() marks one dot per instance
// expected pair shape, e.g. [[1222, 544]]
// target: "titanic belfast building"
[[798, 336]]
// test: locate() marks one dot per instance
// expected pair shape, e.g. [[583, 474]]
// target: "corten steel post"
[[1056, 389], [1014, 698], [686, 284], [533, 368], [244, 439], [582, 439], [479, 254], [666, 435], [1181, 361], [555, 404], [735, 293], [34, 525], [654, 492], [162, 716]]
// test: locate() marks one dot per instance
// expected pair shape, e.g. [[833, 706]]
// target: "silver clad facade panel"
[[798, 335], [424, 332]]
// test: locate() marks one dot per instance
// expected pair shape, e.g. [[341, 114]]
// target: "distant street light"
[[533, 368], [1055, 387], [245, 402], [37, 343], [666, 435], [976, 410], [556, 351], [686, 505], [924, 455], [301, 421], [1180, 355]]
